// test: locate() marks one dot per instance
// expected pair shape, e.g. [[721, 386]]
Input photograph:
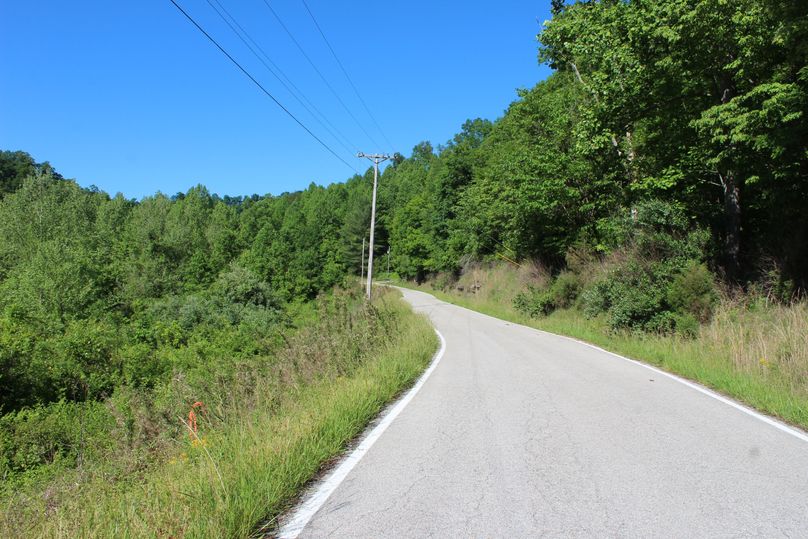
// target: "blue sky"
[[130, 97]]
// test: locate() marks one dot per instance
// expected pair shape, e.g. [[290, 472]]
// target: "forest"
[[668, 144]]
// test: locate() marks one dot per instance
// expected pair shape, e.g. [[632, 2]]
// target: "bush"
[[686, 325], [561, 294], [142, 367], [636, 296], [535, 302], [59, 432], [596, 299], [661, 322], [87, 361], [693, 292], [653, 297], [565, 289], [241, 286], [659, 284]]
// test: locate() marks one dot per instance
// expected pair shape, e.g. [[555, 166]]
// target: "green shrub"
[[661, 322], [686, 325], [693, 292], [141, 366], [647, 298], [659, 284], [87, 361], [636, 296], [535, 302], [561, 294], [597, 298], [241, 286], [60, 432], [565, 289], [654, 297]]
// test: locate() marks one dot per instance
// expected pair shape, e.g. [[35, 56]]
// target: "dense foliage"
[[98, 291], [700, 103], [117, 315]]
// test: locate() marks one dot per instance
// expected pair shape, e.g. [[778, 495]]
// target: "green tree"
[[16, 166], [701, 99]]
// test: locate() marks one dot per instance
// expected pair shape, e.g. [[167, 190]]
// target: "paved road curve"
[[523, 434]]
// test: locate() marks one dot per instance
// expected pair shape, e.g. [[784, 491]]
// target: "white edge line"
[[701, 389], [315, 500], [797, 433]]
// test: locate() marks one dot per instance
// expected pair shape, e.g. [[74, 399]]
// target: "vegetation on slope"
[[118, 318], [259, 437]]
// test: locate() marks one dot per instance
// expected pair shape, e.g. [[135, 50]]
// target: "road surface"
[[518, 433]]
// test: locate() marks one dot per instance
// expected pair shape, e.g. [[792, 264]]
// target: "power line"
[[272, 97], [345, 72], [279, 70], [341, 138], [325, 81]]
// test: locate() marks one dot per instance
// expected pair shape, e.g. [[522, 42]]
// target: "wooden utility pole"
[[376, 158], [362, 270]]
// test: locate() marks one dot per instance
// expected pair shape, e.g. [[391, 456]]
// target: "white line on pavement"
[[797, 433], [701, 389], [315, 500]]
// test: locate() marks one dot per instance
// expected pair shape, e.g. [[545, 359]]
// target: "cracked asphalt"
[[523, 434]]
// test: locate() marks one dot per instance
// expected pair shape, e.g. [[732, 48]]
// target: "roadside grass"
[[753, 351], [237, 475]]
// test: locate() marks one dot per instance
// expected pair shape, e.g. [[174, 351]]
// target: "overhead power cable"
[[345, 72], [272, 97], [317, 70], [223, 14]]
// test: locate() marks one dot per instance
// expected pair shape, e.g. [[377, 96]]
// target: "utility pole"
[[362, 270], [376, 158]]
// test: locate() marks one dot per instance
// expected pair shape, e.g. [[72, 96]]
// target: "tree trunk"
[[730, 184], [732, 216]]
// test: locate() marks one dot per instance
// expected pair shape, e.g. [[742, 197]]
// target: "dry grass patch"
[[763, 339]]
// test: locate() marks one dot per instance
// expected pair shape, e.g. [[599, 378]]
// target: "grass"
[[237, 475], [752, 351]]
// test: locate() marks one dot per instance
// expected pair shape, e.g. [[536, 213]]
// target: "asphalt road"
[[518, 433]]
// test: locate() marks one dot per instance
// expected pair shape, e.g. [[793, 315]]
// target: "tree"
[[694, 95], [16, 166]]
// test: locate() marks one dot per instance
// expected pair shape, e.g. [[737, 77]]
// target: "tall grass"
[[764, 339], [243, 468], [752, 350]]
